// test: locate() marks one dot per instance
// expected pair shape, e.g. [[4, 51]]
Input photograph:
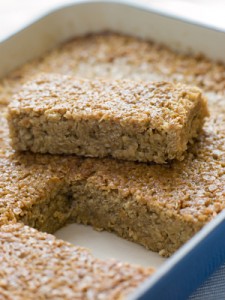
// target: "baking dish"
[[140, 20]]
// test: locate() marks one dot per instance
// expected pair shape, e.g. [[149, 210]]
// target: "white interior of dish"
[[107, 245]]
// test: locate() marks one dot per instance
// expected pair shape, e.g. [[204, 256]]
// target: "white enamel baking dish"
[[178, 276]]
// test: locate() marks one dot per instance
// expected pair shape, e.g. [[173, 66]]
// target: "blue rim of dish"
[[190, 266]]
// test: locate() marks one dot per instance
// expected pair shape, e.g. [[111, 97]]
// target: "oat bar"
[[96, 118]]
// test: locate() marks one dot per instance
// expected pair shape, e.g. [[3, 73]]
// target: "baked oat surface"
[[161, 105], [192, 190], [37, 265]]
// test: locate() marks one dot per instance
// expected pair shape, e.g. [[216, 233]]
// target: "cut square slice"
[[148, 122]]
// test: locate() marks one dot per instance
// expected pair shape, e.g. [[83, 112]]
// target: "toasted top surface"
[[192, 189], [37, 265], [162, 105]]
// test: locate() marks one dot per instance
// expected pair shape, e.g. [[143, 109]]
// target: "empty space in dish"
[[107, 245]]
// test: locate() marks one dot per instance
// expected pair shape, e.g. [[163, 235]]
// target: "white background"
[[14, 14]]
